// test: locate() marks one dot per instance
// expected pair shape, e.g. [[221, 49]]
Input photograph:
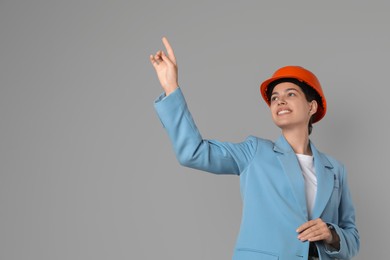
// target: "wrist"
[[334, 240], [170, 89]]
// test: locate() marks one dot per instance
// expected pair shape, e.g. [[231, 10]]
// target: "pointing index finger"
[[171, 55]]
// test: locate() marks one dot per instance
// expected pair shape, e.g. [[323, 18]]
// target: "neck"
[[299, 140]]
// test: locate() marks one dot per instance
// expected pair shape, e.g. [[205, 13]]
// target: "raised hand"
[[166, 67]]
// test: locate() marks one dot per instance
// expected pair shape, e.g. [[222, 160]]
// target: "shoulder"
[[251, 145], [333, 161], [260, 143]]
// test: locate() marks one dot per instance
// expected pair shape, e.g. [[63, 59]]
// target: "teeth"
[[283, 112]]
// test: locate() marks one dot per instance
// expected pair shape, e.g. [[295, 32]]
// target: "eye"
[[274, 98], [291, 94]]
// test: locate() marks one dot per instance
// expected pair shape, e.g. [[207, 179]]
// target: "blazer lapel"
[[293, 171], [325, 181]]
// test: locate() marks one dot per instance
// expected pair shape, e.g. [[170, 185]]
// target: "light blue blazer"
[[272, 188]]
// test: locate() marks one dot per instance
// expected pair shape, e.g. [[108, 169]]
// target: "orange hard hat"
[[303, 75]]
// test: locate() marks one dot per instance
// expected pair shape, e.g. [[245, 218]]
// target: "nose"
[[281, 101]]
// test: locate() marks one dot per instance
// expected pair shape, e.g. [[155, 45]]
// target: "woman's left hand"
[[315, 230]]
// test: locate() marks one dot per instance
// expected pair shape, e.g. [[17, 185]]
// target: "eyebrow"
[[273, 93]]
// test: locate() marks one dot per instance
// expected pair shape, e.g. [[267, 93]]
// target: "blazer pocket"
[[336, 183], [254, 254]]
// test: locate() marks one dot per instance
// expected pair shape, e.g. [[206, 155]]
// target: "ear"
[[313, 107]]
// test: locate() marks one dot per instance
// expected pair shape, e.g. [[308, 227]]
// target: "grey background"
[[87, 171]]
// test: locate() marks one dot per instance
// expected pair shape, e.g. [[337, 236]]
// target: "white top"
[[309, 174]]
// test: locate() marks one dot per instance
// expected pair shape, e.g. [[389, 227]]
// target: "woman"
[[296, 200]]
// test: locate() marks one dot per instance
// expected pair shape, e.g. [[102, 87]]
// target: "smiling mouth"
[[283, 112]]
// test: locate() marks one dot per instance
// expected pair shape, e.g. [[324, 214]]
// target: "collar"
[[282, 146]]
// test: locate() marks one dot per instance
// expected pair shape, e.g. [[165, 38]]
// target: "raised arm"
[[191, 150]]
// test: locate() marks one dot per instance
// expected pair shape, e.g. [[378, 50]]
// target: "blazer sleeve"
[[193, 151], [346, 228]]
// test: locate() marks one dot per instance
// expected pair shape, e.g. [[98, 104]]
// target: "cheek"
[[273, 116], [304, 107], [272, 111]]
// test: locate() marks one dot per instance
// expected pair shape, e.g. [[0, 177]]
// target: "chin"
[[282, 124]]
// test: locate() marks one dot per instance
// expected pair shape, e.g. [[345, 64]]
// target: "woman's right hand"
[[166, 67]]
